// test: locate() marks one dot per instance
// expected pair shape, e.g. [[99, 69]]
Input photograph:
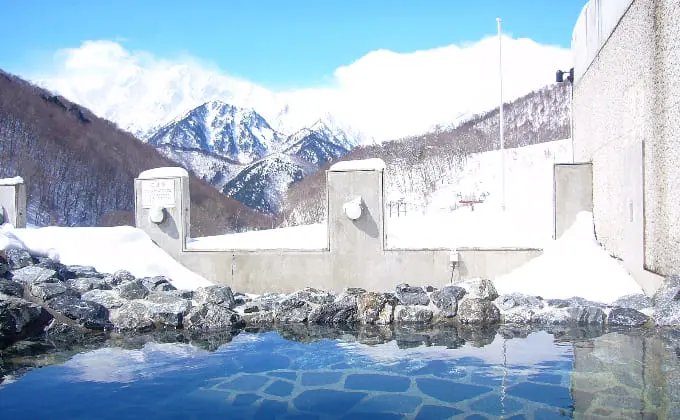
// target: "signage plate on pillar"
[[158, 192]]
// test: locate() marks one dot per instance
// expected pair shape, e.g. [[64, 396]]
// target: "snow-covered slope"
[[262, 184], [221, 129]]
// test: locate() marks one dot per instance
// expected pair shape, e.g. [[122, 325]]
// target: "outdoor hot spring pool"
[[376, 373]]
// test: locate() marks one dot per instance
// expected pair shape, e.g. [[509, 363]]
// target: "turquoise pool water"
[[422, 375]]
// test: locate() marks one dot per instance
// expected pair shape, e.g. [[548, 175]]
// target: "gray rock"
[[132, 316], [87, 314], [591, 315], [412, 313], [35, 274], [85, 284], [627, 317], [513, 300], [11, 288], [292, 310], [446, 299], [20, 319], [412, 295], [4, 264], [18, 258], [63, 272], [215, 294], [667, 302], [667, 313], [172, 301], [158, 284], [76, 271], [266, 302], [46, 291], [167, 310], [110, 299], [133, 289], [315, 296], [479, 289], [212, 317], [184, 294], [342, 311], [575, 315], [122, 276], [478, 311], [260, 318], [637, 301], [375, 308], [519, 309], [241, 299], [557, 303]]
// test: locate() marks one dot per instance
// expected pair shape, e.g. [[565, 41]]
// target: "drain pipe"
[[453, 263]]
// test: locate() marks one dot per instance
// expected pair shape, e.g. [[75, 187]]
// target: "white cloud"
[[384, 94]]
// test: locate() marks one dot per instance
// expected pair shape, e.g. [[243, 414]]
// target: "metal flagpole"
[[500, 75]]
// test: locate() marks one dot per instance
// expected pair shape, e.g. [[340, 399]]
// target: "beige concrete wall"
[[626, 120], [355, 257], [491, 263], [573, 193], [13, 202]]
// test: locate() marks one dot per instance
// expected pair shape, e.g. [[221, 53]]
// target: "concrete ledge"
[[491, 263]]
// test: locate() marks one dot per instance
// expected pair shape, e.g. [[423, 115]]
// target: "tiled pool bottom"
[[262, 375]]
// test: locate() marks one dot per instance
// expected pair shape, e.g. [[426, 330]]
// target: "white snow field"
[[574, 265]]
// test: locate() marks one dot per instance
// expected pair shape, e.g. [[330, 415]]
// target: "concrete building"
[[626, 120]]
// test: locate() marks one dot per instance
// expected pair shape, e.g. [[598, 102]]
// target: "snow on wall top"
[[12, 181], [373, 164], [592, 30], [166, 172]]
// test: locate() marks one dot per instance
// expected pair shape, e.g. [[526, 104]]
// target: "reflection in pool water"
[[425, 375]]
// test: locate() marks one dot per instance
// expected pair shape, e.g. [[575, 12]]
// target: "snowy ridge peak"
[[239, 134]]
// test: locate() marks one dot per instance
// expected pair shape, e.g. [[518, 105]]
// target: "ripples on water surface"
[[423, 375]]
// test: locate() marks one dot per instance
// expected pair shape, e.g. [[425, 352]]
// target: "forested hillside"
[[79, 169]]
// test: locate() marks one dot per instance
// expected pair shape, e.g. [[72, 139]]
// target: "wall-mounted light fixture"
[[352, 208], [156, 214]]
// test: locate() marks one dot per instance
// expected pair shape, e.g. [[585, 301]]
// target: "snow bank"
[[166, 172], [573, 265], [374, 164], [12, 181], [107, 249]]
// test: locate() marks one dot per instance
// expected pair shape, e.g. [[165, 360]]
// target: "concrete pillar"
[[162, 207], [13, 201], [573, 193], [355, 207]]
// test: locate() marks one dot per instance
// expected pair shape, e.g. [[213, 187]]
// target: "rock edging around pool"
[[37, 293]]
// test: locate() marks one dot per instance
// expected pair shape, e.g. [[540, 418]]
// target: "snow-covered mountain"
[[213, 169], [262, 185], [238, 152], [318, 144], [221, 129]]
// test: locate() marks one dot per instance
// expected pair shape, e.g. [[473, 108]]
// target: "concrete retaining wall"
[[626, 120], [355, 257], [13, 202], [573, 193]]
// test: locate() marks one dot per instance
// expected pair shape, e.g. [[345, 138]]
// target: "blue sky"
[[277, 44]]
